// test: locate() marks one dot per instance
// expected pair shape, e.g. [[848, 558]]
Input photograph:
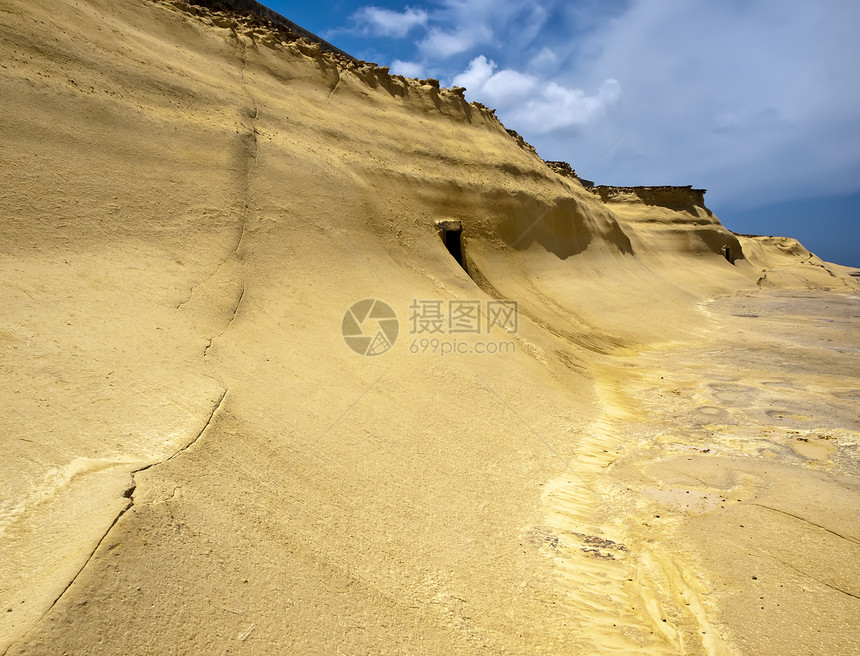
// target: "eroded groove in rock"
[[849, 538]]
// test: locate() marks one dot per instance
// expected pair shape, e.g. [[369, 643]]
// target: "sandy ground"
[[728, 469], [660, 458]]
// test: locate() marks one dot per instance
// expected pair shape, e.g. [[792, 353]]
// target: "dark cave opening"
[[454, 244], [452, 236]]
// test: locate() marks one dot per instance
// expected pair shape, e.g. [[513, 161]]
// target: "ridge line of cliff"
[[251, 7]]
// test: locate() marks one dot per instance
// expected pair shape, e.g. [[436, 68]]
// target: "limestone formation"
[[302, 357]]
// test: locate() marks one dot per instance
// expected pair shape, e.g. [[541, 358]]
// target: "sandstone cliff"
[[194, 461]]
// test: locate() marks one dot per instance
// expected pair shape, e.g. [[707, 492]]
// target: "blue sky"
[[757, 101]]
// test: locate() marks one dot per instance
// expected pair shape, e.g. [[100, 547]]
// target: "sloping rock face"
[[197, 461]]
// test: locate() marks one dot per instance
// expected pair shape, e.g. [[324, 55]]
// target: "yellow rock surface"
[[660, 459]]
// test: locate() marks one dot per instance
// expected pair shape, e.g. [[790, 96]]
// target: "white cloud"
[[476, 75], [527, 102], [458, 26], [442, 44], [545, 58], [500, 89], [385, 22], [509, 87], [555, 107], [407, 68]]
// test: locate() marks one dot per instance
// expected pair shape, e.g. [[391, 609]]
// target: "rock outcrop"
[[673, 198]]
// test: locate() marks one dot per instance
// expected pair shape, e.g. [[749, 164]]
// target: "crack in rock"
[[849, 538], [128, 494]]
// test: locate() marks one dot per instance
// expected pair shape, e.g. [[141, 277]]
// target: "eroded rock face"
[[673, 198], [194, 458]]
